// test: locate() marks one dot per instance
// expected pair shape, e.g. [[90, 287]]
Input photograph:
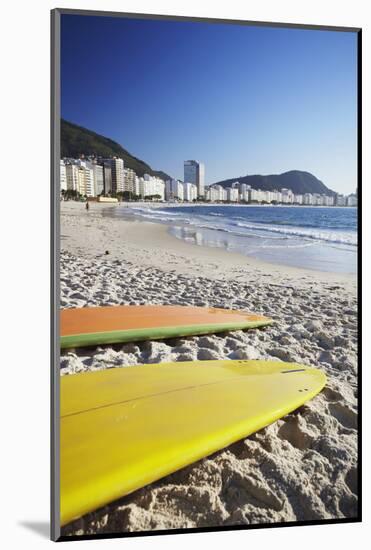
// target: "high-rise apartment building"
[[129, 180], [98, 172], [150, 186], [85, 181], [352, 200], [287, 196], [232, 194], [117, 167], [174, 190], [194, 172], [216, 193], [244, 192], [341, 200], [298, 199], [107, 176], [72, 176], [190, 192], [63, 177]]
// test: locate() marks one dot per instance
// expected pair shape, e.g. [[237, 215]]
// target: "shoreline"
[[136, 232], [302, 467], [168, 204]]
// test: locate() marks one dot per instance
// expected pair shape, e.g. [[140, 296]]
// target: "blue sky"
[[242, 99]]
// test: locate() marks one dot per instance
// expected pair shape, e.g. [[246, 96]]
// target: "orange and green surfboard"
[[91, 326]]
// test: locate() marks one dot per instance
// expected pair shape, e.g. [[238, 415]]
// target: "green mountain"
[[296, 180], [77, 141]]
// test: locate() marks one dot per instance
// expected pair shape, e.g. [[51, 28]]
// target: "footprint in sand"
[[347, 417]]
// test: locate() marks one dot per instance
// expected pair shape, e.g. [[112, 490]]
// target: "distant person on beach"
[[87, 205]]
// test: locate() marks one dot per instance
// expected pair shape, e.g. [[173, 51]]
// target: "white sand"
[[303, 467]]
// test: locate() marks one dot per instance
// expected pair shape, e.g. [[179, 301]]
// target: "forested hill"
[[77, 141], [296, 180]]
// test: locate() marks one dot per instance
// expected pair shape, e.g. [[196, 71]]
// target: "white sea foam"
[[340, 237], [239, 227]]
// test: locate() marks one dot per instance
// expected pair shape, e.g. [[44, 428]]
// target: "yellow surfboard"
[[123, 428], [88, 326]]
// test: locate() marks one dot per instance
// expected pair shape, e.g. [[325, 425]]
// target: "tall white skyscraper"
[[98, 178], [194, 172], [117, 166], [72, 176]]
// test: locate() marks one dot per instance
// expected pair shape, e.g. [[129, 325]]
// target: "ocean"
[[319, 238]]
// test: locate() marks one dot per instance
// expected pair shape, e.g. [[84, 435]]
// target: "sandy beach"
[[303, 467]]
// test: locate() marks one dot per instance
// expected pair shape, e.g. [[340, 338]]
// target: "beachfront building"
[[142, 188], [85, 177], [232, 194], [81, 188], [137, 186], [117, 172], [216, 193], [72, 173], [268, 196], [287, 196], [340, 200], [107, 177], [98, 173], [256, 195], [72, 176], [308, 199], [244, 192], [112, 174], [316, 199], [201, 180], [352, 200], [63, 177], [174, 190], [327, 200], [85, 180], [89, 187], [208, 193], [149, 187], [157, 185], [129, 180], [275, 196], [190, 192], [298, 199], [194, 172]]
